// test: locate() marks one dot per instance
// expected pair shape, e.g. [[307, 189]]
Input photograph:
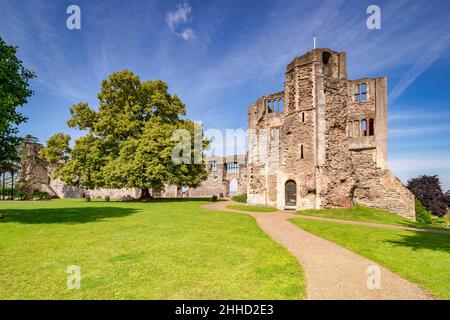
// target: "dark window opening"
[[213, 166], [326, 57], [301, 152], [303, 117], [371, 127]]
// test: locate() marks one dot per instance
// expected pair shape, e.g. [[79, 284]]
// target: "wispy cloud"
[[419, 162], [178, 18], [418, 130], [419, 115], [424, 62]]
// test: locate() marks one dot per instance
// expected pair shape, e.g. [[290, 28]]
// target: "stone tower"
[[322, 142]]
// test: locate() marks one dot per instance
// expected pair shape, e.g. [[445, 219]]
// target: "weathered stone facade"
[[322, 142], [226, 176]]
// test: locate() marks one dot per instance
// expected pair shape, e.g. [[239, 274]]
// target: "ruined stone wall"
[[338, 166], [379, 188], [331, 142]]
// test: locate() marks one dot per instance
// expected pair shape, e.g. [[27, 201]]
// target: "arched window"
[[371, 127], [364, 127], [290, 193], [361, 92], [356, 129], [350, 129]]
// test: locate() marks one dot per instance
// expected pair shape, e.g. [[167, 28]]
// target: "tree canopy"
[[429, 191], [129, 140], [14, 92]]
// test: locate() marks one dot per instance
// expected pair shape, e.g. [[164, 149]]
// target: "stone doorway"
[[290, 194]]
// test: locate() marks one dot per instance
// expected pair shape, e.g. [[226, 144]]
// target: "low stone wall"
[[114, 193]]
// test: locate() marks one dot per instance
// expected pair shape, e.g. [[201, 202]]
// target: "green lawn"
[[365, 214], [251, 208], [421, 257], [135, 250]]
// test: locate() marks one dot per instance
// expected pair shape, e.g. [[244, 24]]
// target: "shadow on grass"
[[64, 215], [424, 240], [151, 200]]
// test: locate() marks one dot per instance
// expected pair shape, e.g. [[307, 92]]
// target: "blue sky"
[[220, 56]]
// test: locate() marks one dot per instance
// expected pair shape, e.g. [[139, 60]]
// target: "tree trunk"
[[12, 184], [4, 185], [145, 194]]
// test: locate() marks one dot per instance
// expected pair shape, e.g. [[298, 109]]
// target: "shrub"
[[41, 195], [240, 198], [20, 194], [422, 214], [429, 191]]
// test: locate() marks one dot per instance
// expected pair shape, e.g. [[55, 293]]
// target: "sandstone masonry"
[[322, 142]]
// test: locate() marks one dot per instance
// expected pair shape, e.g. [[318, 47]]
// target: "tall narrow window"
[[233, 167], [350, 129], [361, 92], [301, 152], [269, 106], [364, 127], [371, 127], [356, 129], [303, 117], [213, 166], [357, 96]]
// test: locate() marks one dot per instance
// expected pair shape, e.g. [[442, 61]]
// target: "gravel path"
[[332, 272]]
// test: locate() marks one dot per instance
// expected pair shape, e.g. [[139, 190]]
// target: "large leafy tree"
[[14, 92], [57, 149], [429, 191], [128, 141]]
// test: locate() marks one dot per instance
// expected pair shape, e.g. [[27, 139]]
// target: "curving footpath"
[[331, 271]]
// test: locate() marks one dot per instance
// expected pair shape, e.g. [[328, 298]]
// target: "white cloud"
[[419, 115], [424, 62], [180, 17], [187, 34], [419, 130]]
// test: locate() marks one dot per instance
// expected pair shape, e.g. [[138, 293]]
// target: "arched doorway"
[[290, 193], [233, 187]]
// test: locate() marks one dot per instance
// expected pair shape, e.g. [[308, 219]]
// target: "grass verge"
[[365, 214], [420, 257]]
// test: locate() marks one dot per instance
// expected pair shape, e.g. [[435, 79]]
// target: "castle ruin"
[[320, 143]]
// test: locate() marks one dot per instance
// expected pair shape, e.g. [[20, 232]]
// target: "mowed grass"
[[365, 214], [420, 257], [136, 250], [251, 208]]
